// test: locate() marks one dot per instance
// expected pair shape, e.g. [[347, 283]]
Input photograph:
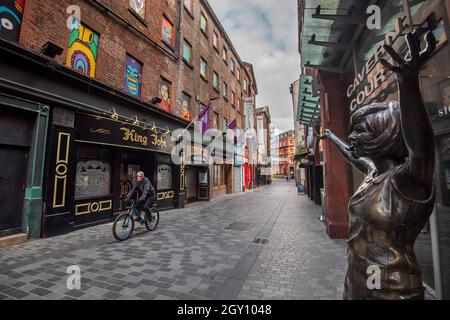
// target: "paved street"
[[205, 251]]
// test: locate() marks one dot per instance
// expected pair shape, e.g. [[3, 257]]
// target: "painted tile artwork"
[[133, 76], [186, 107], [167, 34], [165, 88], [138, 6], [83, 49], [11, 13]]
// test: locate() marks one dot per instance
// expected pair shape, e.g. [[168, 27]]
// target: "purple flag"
[[232, 125], [205, 118], [204, 110]]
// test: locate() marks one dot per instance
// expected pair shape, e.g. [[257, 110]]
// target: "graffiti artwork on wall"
[[133, 76], [167, 34], [185, 107], [165, 88], [11, 13], [138, 6], [83, 49]]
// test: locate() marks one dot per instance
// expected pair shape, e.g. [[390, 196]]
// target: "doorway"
[[127, 173], [13, 172]]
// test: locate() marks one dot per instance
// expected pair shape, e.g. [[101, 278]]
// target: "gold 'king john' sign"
[[133, 136]]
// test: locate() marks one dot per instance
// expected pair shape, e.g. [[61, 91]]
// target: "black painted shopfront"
[[94, 165], [94, 137]]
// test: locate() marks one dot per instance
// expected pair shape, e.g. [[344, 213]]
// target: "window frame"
[[191, 9], [185, 41], [169, 44], [203, 76], [225, 91], [217, 88], [225, 55], [205, 32], [216, 36]]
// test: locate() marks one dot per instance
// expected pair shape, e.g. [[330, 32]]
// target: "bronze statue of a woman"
[[393, 143]]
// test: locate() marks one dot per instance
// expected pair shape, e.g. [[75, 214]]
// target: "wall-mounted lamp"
[[156, 100], [51, 50]]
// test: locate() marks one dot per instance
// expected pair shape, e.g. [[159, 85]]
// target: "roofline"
[[224, 34], [249, 65]]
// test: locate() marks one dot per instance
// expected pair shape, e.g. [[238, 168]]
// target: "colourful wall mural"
[[138, 6], [186, 107], [11, 13], [83, 49], [133, 76], [165, 89], [167, 34]]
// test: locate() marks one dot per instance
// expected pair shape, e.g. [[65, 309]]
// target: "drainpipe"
[[180, 15]]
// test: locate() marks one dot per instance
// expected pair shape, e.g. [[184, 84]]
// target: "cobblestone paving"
[[201, 252]]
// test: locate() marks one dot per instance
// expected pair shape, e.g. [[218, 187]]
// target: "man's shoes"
[[140, 220]]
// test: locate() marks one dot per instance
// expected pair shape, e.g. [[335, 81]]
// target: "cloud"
[[264, 33]]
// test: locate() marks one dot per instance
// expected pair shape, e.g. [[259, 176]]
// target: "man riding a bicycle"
[[146, 191]]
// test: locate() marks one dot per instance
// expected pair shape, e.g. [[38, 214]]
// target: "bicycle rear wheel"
[[151, 219], [123, 226]]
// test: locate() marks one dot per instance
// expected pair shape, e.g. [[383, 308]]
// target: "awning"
[[300, 156], [308, 109], [331, 29]]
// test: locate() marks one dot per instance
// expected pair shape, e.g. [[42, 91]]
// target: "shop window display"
[[93, 176], [164, 176]]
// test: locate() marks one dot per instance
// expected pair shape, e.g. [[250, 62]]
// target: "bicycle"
[[123, 225]]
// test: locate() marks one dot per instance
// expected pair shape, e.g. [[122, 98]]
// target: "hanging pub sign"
[[96, 129]]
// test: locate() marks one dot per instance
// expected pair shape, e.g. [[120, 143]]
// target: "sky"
[[265, 34]]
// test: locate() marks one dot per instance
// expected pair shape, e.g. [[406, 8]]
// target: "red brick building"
[[286, 142], [99, 86]]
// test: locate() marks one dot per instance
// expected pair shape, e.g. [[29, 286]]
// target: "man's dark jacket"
[[146, 191]]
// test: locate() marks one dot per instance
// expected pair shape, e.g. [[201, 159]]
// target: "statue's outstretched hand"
[[326, 134], [414, 60]]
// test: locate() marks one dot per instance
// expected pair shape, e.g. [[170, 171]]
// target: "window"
[[219, 175], [167, 32], [138, 6], [165, 91], [238, 74], [187, 52], [93, 176], [186, 107], [215, 120], [188, 4], [232, 66], [215, 80], [215, 40], [225, 91], [233, 98], [245, 86], [203, 68], [225, 55], [164, 176], [133, 76], [203, 23], [83, 49]]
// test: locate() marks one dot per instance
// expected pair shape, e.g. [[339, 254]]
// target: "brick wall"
[[46, 20]]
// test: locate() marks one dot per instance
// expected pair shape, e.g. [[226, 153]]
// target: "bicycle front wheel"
[[123, 226], [151, 219]]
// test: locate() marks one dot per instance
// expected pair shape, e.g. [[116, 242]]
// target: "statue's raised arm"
[[416, 127]]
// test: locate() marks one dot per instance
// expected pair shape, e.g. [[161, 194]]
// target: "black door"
[[13, 169]]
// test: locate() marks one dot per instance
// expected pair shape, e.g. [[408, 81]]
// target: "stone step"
[[13, 240]]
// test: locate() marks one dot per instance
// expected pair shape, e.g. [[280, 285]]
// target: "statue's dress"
[[384, 224]]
